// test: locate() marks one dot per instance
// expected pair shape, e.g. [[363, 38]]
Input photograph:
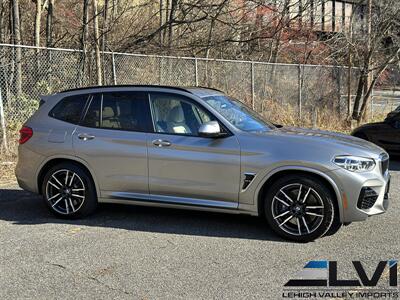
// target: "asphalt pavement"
[[130, 252]]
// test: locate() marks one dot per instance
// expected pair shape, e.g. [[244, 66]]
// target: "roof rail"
[[127, 86]]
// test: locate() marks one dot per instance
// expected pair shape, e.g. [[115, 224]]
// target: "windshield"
[[238, 114]]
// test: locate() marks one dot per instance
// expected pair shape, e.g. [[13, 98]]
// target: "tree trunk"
[[49, 24], [349, 81], [161, 23], [171, 20], [357, 100], [104, 36], [17, 41], [96, 42], [84, 40], [37, 22], [2, 25], [369, 78], [167, 9]]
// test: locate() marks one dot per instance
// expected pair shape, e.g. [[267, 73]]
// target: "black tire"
[[300, 221], [335, 227], [77, 196]]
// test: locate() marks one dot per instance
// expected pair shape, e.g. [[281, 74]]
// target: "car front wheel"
[[299, 208]]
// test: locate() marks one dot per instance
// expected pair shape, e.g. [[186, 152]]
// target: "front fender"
[[264, 180]]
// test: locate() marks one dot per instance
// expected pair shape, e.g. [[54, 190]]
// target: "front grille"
[[367, 198], [384, 163]]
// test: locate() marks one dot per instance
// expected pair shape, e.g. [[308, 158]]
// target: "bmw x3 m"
[[196, 148]]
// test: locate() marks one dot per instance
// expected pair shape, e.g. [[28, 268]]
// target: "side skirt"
[[173, 202]]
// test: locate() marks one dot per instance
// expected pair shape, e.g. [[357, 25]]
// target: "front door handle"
[[85, 136], [161, 143]]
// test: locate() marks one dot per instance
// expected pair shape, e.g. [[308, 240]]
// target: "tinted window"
[[69, 109], [92, 117], [177, 115], [121, 111]]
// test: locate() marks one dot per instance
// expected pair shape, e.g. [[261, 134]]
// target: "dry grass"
[[8, 157], [289, 116], [276, 113]]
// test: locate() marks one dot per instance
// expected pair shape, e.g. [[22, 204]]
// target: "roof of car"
[[198, 91]]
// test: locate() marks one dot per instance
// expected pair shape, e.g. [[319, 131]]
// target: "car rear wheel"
[[69, 192], [299, 208]]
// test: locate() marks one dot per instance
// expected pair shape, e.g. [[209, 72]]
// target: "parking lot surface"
[[130, 252]]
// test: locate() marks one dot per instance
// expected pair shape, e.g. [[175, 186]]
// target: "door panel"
[[119, 159], [182, 164], [111, 140], [195, 167]]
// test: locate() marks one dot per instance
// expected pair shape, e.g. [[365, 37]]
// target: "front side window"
[[238, 114], [175, 114], [120, 111], [69, 109]]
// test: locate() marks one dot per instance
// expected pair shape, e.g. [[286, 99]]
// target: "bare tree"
[[38, 16], [2, 21], [16, 34], [96, 42], [381, 51], [104, 33], [174, 4], [84, 39], [49, 23]]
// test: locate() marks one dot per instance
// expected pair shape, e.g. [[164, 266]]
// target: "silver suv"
[[196, 148]]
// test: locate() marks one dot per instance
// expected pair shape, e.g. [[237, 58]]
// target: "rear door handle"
[[161, 143], [85, 136]]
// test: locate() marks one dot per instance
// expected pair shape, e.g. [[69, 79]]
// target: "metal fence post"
[[3, 123], [300, 86], [252, 87], [196, 72], [113, 69]]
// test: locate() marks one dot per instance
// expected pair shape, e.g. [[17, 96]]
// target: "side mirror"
[[210, 130]]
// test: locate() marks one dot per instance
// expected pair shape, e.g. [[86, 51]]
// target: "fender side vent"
[[248, 178]]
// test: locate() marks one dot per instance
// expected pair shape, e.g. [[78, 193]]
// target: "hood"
[[344, 144]]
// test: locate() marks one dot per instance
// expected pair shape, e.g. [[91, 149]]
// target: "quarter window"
[[120, 111], [69, 109]]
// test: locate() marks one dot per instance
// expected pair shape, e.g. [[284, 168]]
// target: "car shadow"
[[24, 208]]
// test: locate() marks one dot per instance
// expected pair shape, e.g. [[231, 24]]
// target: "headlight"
[[355, 163]]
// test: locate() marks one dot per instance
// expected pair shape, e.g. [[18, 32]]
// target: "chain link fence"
[[302, 90]]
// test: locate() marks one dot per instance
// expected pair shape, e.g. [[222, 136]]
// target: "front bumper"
[[352, 187]]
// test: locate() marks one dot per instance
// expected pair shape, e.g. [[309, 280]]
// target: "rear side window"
[[69, 109], [119, 111]]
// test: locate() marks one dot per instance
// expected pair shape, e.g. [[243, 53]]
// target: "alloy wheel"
[[65, 191], [298, 209]]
